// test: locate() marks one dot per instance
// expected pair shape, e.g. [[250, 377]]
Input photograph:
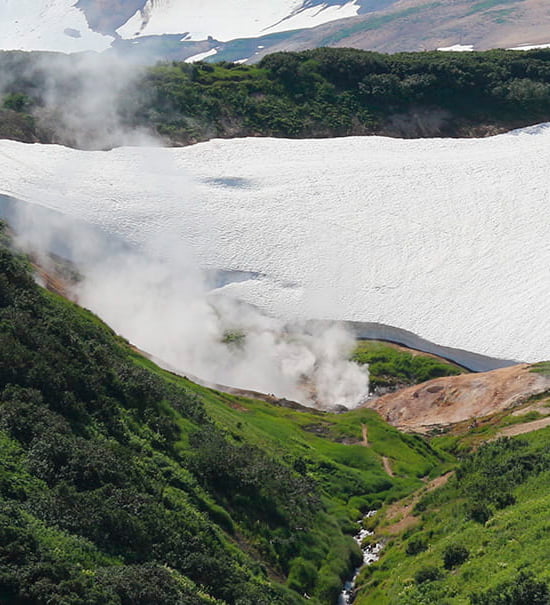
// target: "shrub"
[[303, 576], [416, 546], [479, 512], [524, 589], [454, 555], [428, 574]]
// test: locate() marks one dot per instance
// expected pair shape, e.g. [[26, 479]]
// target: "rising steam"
[[165, 306], [156, 295]]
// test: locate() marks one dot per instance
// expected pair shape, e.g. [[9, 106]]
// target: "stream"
[[371, 554]]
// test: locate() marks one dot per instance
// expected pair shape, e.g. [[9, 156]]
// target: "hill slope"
[[149, 30], [481, 539], [121, 483]]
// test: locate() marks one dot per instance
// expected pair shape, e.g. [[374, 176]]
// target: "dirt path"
[[365, 432], [521, 429], [387, 466], [402, 511]]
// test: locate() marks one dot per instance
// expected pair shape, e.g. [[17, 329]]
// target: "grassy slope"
[[392, 366], [122, 483], [509, 482]]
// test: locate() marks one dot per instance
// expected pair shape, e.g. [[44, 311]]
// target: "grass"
[[515, 538], [329, 448], [393, 366], [541, 368]]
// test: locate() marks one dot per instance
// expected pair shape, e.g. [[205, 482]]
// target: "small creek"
[[371, 554]]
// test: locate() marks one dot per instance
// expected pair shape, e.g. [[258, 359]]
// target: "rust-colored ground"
[[446, 401]]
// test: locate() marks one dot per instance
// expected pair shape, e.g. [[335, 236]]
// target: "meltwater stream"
[[371, 554]]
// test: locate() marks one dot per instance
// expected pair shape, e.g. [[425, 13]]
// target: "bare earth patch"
[[401, 513], [446, 401]]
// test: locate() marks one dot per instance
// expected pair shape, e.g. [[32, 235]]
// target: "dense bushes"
[[488, 476], [320, 92], [454, 555], [521, 590], [428, 574], [416, 546], [98, 503]]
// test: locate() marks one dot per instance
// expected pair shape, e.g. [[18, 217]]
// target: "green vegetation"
[[122, 483], [481, 539], [391, 366], [332, 92], [541, 368], [315, 93]]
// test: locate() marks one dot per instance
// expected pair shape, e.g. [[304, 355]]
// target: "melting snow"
[[529, 47], [201, 56], [447, 238]]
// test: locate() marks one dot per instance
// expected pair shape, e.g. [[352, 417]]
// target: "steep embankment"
[[445, 401]]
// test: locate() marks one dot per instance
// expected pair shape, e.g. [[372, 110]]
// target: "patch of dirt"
[[365, 433], [521, 429], [446, 401], [318, 429], [387, 466], [402, 511], [238, 407]]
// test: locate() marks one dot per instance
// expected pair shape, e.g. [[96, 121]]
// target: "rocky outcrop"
[[446, 401]]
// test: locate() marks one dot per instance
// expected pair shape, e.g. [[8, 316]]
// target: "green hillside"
[[121, 483], [393, 366], [483, 539], [323, 92]]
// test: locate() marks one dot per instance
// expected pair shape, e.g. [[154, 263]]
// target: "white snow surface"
[[227, 20], [447, 238], [41, 24], [529, 47], [457, 48], [201, 56]]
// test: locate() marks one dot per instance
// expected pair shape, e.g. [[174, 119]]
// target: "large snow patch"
[[446, 238], [226, 20], [47, 25]]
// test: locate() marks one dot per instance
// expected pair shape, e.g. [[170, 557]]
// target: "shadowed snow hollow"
[[445, 238]]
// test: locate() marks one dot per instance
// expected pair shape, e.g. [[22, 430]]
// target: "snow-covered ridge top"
[[447, 238], [60, 25], [230, 19]]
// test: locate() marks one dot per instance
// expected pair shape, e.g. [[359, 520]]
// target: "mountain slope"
[[148, 30], [121, 483]]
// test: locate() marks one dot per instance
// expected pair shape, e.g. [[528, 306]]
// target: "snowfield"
[[46, 25], [227, 20], [447, 238], [59, 25]]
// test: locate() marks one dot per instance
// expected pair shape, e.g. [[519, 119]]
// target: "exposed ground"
[[400, 517], [413, 25], [446, 401]]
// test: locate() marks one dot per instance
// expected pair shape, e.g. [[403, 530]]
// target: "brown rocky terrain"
[[446, 401], [415, 25]]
